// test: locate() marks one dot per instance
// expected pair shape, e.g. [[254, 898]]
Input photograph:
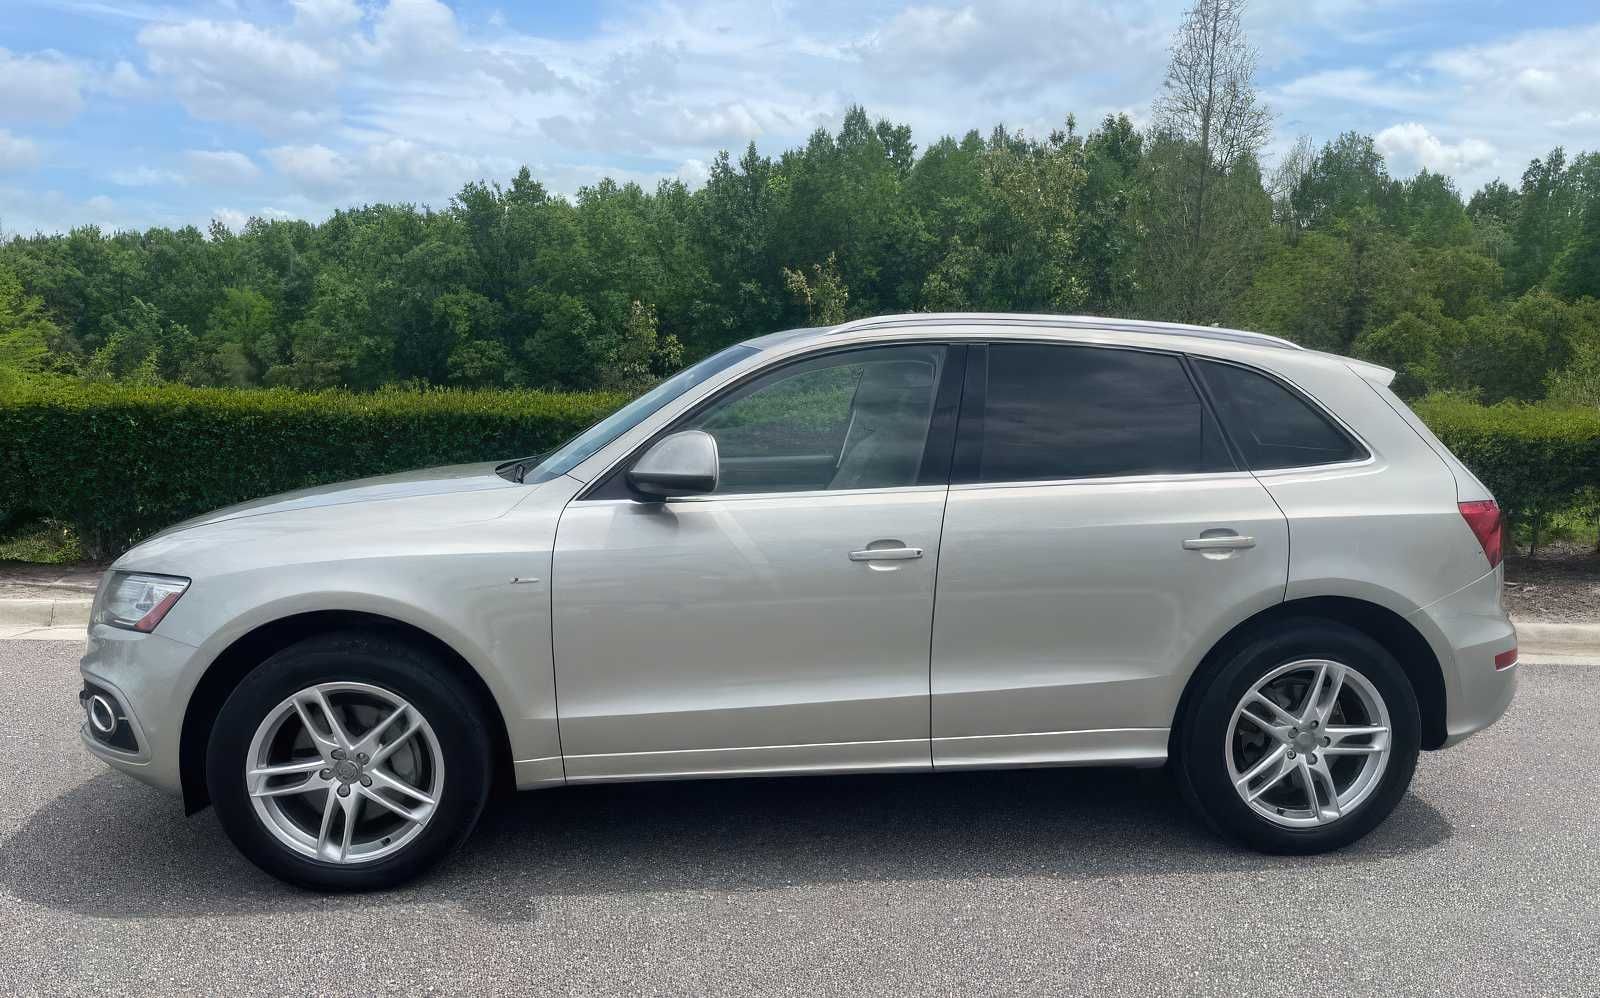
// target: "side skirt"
[[1099, 747]]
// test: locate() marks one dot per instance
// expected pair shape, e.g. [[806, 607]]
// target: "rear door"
[[1098, 531]]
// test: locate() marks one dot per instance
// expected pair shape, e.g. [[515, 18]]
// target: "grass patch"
[[43, 542]]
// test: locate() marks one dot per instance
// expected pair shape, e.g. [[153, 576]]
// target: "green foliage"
[[1535, 459], [26, 333], [1578, 384], [42, 543], [823, 294], [116, 462]]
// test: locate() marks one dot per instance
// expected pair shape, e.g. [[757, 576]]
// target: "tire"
[[413, 799], [1214, 750]]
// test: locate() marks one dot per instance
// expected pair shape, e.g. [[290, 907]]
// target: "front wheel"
[[348, 762], [1301, 741]]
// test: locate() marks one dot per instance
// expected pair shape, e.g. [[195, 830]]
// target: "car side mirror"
[[682, 464]]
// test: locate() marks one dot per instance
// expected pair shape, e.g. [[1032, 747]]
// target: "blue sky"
[[143, 113]]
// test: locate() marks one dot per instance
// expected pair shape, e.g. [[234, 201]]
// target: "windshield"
[[573, 453]]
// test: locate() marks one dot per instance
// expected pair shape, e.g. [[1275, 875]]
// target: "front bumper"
[[148, 677], [1468, 629]]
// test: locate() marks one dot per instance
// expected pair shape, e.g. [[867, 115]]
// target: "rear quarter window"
[[1273, 425]]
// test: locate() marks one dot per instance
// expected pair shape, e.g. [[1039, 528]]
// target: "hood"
[[449, 479]]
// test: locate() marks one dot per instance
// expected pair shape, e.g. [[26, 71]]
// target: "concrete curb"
[[65, 620]]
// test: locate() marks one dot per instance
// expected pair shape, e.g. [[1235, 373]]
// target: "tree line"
[[1491, 296]]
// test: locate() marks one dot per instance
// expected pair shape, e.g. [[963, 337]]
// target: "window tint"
[[855, 420], [1081, 412], [1273, 426]]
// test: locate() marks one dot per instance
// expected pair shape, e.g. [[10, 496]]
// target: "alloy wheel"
[[1308, 743], [344, 772]]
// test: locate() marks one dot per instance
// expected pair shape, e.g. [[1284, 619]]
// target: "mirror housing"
[[682, 464]]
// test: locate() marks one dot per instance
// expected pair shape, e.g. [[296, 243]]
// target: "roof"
[[1087, 323]]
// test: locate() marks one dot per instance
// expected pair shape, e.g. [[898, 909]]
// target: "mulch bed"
[[1560, 586]]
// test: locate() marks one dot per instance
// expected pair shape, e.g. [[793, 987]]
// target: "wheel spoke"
[[1323, 692], [339, 735], [351, 805], [308, 785], [1276, 731], [1315, 774], [323, 743], [383, 752], [288, 768], [389, 781], [1275, 765], [1337, 733], [413, 816], [369, 742], [1282, 716], [330, 805]]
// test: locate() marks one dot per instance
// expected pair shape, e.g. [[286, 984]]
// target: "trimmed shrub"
[[1535, 459], [119, 462]]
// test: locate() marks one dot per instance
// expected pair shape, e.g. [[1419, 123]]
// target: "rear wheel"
[[1302, 740], [348, 762]]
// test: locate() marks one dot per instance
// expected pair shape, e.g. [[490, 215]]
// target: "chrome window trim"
[[1157, 479], [748, 496]]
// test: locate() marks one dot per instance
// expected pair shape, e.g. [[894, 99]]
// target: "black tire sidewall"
[[1203, 770], [408, 672]]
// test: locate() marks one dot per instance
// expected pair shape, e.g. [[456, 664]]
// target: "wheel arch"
[[1402, 640], [249, 650]]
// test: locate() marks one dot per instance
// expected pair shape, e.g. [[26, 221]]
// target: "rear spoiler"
[[1372, 372]]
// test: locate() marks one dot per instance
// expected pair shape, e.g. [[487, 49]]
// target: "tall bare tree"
[[1292, 169], [1206, 189]]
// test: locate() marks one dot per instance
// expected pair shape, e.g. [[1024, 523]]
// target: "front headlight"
[[138, 601]]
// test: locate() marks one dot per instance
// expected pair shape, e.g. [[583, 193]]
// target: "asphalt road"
[[1049, 882]]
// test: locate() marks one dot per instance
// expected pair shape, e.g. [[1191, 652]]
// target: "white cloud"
[[144, 176], [17, 153], [320, 17], [315, 167], [392, 168], [42, 85], [1358, 84], [236, 71], [232, 218], [124, 80], [414, 31], [221, 167], [1409, 145]]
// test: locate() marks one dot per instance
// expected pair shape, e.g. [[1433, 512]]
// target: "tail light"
[[1487, 525]]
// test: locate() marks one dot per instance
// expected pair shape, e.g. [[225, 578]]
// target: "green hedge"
[[119, 462], [1537, 460]]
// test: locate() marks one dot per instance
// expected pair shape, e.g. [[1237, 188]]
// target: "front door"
[[1097, 535], [783, 621]]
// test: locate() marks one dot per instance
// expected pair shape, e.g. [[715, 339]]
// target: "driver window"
[[852, 420]]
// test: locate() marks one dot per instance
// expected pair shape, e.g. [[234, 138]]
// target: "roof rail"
[[1066, 322]]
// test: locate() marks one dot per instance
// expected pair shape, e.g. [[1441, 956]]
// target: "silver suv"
[[912, 543]]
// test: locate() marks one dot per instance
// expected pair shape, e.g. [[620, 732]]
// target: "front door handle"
[[1220, 542], [886, 554]]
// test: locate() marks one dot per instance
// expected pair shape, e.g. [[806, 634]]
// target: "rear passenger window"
[[1055, 412], [1273, 426]]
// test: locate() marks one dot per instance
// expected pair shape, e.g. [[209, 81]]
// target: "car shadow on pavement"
[[113, 848]]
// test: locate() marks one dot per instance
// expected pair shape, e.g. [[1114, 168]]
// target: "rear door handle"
[[1222, 542], [886, 554]]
